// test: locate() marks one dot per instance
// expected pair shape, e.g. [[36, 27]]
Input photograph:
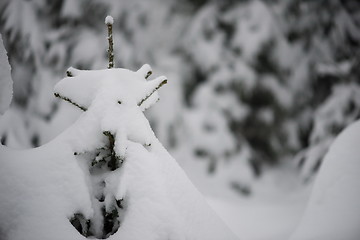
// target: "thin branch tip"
[[148, 74], [69, 100], [163, 82], [109, 22]]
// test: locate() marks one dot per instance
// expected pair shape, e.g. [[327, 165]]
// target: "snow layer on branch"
[[125, 86], [6, 83], [333, 211], [109, 20]]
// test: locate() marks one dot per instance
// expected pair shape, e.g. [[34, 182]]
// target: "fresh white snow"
[[333, 211], [109, 20], [261, 219]]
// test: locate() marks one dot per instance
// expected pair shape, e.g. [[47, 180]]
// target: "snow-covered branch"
[[69, 100], [158, 83]]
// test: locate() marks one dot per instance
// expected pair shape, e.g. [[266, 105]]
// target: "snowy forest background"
[[257, 90]]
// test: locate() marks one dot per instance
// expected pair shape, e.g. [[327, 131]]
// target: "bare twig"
[[109, 22]]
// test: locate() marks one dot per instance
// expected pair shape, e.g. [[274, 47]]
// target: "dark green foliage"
[[100, 162], [35, 140], [265, 62], [114, 161], [3, 139], [81, 224], [327, 32], [196, 77], [196, 4], [111, 222]]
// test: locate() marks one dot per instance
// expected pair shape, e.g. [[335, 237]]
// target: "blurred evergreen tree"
[[238, 71], [328, 34]]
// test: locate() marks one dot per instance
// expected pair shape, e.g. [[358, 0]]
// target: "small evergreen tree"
[[107, 174], [108, 158]]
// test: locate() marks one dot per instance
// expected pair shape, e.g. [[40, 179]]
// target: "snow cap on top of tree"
[[109, 20]]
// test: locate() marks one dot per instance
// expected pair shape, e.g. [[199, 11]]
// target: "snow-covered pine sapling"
[[76, 185], [113, 100]]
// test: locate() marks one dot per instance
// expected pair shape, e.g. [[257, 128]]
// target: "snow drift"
[[333, 211]]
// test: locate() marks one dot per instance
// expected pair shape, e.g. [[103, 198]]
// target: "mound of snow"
[[41, 189], [6, 83], [333, 211]]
